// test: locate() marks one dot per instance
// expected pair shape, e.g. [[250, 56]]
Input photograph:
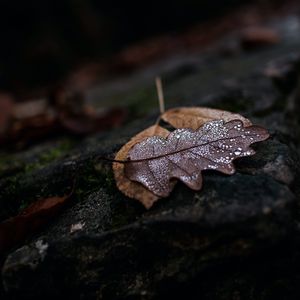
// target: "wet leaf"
[[16, 229], [158, 162], [130, 188], [194, 117], [33, 120]]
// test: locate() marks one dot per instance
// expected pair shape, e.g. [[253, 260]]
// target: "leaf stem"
[[160, 95]]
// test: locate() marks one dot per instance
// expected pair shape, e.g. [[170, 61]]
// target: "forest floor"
[[237, 238]]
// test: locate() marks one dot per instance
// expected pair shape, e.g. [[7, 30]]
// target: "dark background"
[[42, 40]]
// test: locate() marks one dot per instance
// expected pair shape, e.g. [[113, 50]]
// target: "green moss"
[[110, 181], [11, 202], [13, 184], [33, 166], [49, 156], [9, 165], [91, 178], [55, 153]]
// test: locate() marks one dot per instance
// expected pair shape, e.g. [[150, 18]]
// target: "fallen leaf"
[[194, 117], [156, 162], [16, 229], [21, 132], [30, 126], [130, 188], [254, 37]]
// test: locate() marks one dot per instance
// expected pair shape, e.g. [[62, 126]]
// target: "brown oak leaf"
[[157, 162], [15, 230], [130, 188], [194, 117]]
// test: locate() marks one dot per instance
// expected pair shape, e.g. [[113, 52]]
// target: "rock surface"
[[237, 238]]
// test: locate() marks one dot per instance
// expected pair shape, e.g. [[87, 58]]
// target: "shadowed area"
[[77, 83]]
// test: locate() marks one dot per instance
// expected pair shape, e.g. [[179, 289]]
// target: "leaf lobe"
[[158, 162]]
